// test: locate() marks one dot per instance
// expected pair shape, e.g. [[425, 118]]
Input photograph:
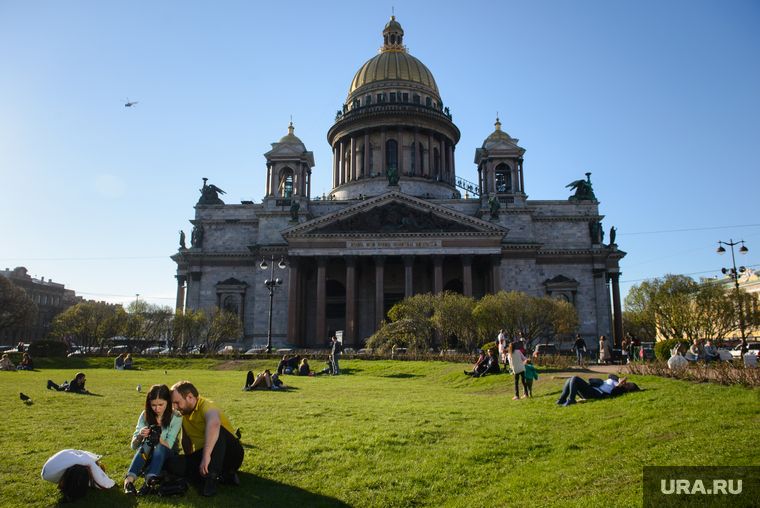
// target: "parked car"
[[257, 350], [753, 348], [118, 350], [545, 350], [153, 350]]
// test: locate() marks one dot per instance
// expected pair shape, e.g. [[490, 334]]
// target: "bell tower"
[[289, 167]]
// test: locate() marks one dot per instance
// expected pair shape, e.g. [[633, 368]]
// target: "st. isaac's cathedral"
[[397, 222]]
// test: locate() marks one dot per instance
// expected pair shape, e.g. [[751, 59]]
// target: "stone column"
[[408, 280], [269, 179], [480, 179], [321, 295], [241, 310], [522, 184], [400, 155], [379, 291], [437, 273], [352, 168], [491, 177], [467, 275], [181, 279], [417, 153], [453, 165], [430, 154], [496, 272], [308, 184], [382, 151], [293, 310], [335, 167], [350, 299], [442, 169], [617, 316], [365, 167], [194, 290], [450, 159]]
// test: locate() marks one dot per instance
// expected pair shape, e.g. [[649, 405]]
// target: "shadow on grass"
[[402, 376], [263, 492]]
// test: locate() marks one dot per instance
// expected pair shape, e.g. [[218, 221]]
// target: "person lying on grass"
[[598, 389], [76, 386], [153, 445], [263, 381]]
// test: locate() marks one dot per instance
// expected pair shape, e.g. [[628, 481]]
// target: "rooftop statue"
[[182, 240], [295, 205], [613, 234], [393, 176], [494, 205], [583, 190], [210, 194], [196, 237]]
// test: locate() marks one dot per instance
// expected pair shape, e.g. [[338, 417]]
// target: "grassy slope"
[[386, 434]]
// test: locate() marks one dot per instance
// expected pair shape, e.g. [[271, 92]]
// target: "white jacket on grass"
[[57, 465]]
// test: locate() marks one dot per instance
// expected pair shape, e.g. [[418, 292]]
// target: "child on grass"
[[530, 374]]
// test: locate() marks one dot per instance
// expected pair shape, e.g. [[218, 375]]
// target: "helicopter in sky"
[[128, 104]]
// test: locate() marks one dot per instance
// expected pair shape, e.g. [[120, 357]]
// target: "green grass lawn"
[[385, 434]]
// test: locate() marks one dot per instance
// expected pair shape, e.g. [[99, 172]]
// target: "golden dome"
[[498, 133], [393, 65], [290, 138]]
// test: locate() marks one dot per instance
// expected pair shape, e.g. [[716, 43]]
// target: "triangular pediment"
[[284, 150], [504, 145], [395, 213]]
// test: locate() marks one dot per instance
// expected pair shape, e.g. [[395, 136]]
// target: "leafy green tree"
[[453, 321], [147, 323], [411, 325], [210, 327], [90, 323], [17, 310]]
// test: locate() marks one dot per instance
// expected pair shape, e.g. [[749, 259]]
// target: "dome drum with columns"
[[398, 221]]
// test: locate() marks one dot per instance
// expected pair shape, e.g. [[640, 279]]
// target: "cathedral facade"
[[397, 222]]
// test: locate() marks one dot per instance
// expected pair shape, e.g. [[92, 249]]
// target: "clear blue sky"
[[660, 101]]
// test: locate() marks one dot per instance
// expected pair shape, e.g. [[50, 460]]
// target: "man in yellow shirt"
[[211, 450]]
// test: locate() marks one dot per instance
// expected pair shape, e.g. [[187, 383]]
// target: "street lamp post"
[[271, 283], [734, 274]]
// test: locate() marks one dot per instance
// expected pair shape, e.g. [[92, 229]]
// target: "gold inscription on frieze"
[[392, 245]]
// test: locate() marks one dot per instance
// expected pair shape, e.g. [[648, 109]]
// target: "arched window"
[[286, 183], [391, 154], [231, 304], [503, 178]]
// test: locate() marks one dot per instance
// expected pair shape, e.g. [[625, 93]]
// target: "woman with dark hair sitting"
[[158, 413], [596, 390]]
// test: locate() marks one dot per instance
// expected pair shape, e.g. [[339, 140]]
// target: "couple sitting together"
[[212, 454]]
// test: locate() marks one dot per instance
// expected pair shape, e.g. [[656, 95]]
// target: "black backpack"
[[76, 481]]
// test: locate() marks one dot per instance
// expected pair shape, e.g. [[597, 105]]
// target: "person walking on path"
[[605, 350], [579, 346], [517, 362]]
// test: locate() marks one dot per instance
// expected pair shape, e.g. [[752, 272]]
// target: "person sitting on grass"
[[288, 365], [118, 363], [76, 386], [158, 411], [303, 369], [128, 365], [492, 364], [6, 363], [610, 388], [26, 363], [480, 365], [327, 369], [212, 452]]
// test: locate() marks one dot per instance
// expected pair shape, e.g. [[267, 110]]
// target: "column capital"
[[322, 261], [379, 260], [437, 259], [495, 259], [195, 276], [293, 261], [351, 261], [408, 260], [467, 259], [181, 279]]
